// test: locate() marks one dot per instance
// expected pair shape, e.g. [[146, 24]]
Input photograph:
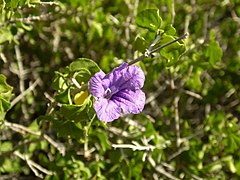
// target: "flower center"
[[108, 93]]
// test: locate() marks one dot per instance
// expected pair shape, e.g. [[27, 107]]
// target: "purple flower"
[[119, 91]]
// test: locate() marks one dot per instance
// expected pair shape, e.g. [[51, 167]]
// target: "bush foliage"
[[189, 128]]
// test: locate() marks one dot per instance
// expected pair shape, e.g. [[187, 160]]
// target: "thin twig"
[[154, 42], [20, 144], [20, 66], [152, 96], [30, 19], [173, 11], [82, 88], [136, 124], [157, 49], [179, 151], [118, 131], [21, 79], [193, 94], [177, 123], [135, 9], [186, 24], [51, 3], [33, 166], [134, 147], [3, 57], [24, 93], [23, 130], [160, 169]]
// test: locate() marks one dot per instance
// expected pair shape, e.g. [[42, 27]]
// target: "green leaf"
[[84, 64], [5, 96], [59, 81], [140, 44], [97, 27], [63, 96], [149, 19], [68, 129], [2, 5], [82, 76], [14, 4], [5, 89], [11, 165], [103, 139], [5, 35], [170, 30], [194, 81], [24, 26], [29, 2], [4, 106], [22, 2], [5, 146], [173, 51], [214, 52], [230, 162], [74, 113]]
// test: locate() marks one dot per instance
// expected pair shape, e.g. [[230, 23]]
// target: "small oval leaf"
[[149, 19]]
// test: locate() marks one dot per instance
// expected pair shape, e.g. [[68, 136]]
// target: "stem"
[[177, 121], [173, 11], [23, 130], [21, 76], [147, 53], [154, 42]]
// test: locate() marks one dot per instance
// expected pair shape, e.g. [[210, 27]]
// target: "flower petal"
[[115, 75], [107, 110], [125, 77], [95, 84], [130, 101], [134, 76]]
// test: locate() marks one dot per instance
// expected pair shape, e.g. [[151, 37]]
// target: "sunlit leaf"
[[173, 51], [5, 35], [5, 146], [84, 64], [170, 30], [5, 97], [149, 19], [214, 51]]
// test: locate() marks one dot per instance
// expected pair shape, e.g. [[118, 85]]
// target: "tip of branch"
[[186, 34]]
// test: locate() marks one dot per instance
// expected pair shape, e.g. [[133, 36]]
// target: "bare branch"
[[193, 94], [157, 49], [173, 11], [161, 170], [178, 152], [23, 130], [3, 57], [33, 166], [134, 147], [24, 93], [21, 76], [177, 123]]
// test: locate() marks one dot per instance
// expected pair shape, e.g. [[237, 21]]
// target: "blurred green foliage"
[[189, 128]]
